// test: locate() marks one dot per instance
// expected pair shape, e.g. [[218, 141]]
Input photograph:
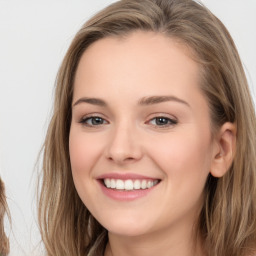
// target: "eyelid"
[[174, 121], [92, 115], [164, 115]]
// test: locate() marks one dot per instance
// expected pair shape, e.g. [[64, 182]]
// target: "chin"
[[128, 231], [126, 227]]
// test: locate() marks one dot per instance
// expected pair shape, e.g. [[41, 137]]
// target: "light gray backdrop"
[[34, 36]]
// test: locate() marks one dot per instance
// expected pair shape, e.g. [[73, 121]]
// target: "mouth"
[[129, 184]]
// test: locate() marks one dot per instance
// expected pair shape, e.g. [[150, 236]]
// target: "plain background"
[[34, 36]]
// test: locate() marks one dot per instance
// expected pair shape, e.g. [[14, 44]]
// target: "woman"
[[4, 243], [151, 147]]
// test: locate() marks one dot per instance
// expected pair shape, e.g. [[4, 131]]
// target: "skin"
[[129, 139]]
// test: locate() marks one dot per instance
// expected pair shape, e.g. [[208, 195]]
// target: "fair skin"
[[138, 114]]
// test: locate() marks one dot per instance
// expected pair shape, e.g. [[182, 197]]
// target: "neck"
[[177, 242]]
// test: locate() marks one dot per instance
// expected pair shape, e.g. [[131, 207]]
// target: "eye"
[[93, 121], [162, 121]]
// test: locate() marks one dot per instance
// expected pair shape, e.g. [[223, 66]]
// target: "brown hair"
[[227, 221], [4, 242]]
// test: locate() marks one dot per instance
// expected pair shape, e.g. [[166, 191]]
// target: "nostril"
[[122, 148], [129, 159], [121, 158]]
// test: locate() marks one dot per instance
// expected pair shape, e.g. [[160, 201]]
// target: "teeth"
[[119, 184], [136, 184], [112, 183], [144, 184], [150, 184], [107, 183], [129, 184]]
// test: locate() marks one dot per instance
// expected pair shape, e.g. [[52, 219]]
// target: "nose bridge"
[[124, 144]]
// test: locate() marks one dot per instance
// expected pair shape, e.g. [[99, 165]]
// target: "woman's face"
[[140, 141]]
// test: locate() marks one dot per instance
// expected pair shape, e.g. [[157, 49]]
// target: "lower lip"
[[125, 195]]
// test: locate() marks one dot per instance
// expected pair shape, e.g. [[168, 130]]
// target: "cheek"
[[84, 151], [184, 157], [185, 162]]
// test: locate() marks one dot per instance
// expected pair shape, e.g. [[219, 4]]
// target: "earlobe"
[[224, 150]]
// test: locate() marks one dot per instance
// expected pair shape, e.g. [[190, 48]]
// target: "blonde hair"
[[4, 242], [227, 223]]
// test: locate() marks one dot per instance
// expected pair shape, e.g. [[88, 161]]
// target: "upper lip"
[[125, 176]]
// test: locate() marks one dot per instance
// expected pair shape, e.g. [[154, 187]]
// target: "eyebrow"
[[145, 101], [159, 99], [93, 101]]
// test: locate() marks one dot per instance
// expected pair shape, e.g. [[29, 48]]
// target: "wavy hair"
[[227, 222], [4, 242]]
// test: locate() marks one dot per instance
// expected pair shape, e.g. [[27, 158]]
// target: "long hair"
[[4, 242], [227, 222]]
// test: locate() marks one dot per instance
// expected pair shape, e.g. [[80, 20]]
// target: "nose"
[[124, 146]]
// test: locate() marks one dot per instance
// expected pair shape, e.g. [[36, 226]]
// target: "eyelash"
[[84, 121], [169, 121]]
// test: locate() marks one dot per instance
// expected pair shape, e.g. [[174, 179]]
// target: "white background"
[[34, 36]]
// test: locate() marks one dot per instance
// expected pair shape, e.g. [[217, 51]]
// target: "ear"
[[224, 150]]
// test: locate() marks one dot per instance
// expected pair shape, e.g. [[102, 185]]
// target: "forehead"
[[152, 62]]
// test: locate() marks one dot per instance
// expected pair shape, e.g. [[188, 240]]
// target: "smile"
[[129, 185]]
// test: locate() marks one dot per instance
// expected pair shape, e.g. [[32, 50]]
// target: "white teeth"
[[119, 184], [129, 184], [107, 183], [150, 184], [136, 184], [144, 184], [112, 183]]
